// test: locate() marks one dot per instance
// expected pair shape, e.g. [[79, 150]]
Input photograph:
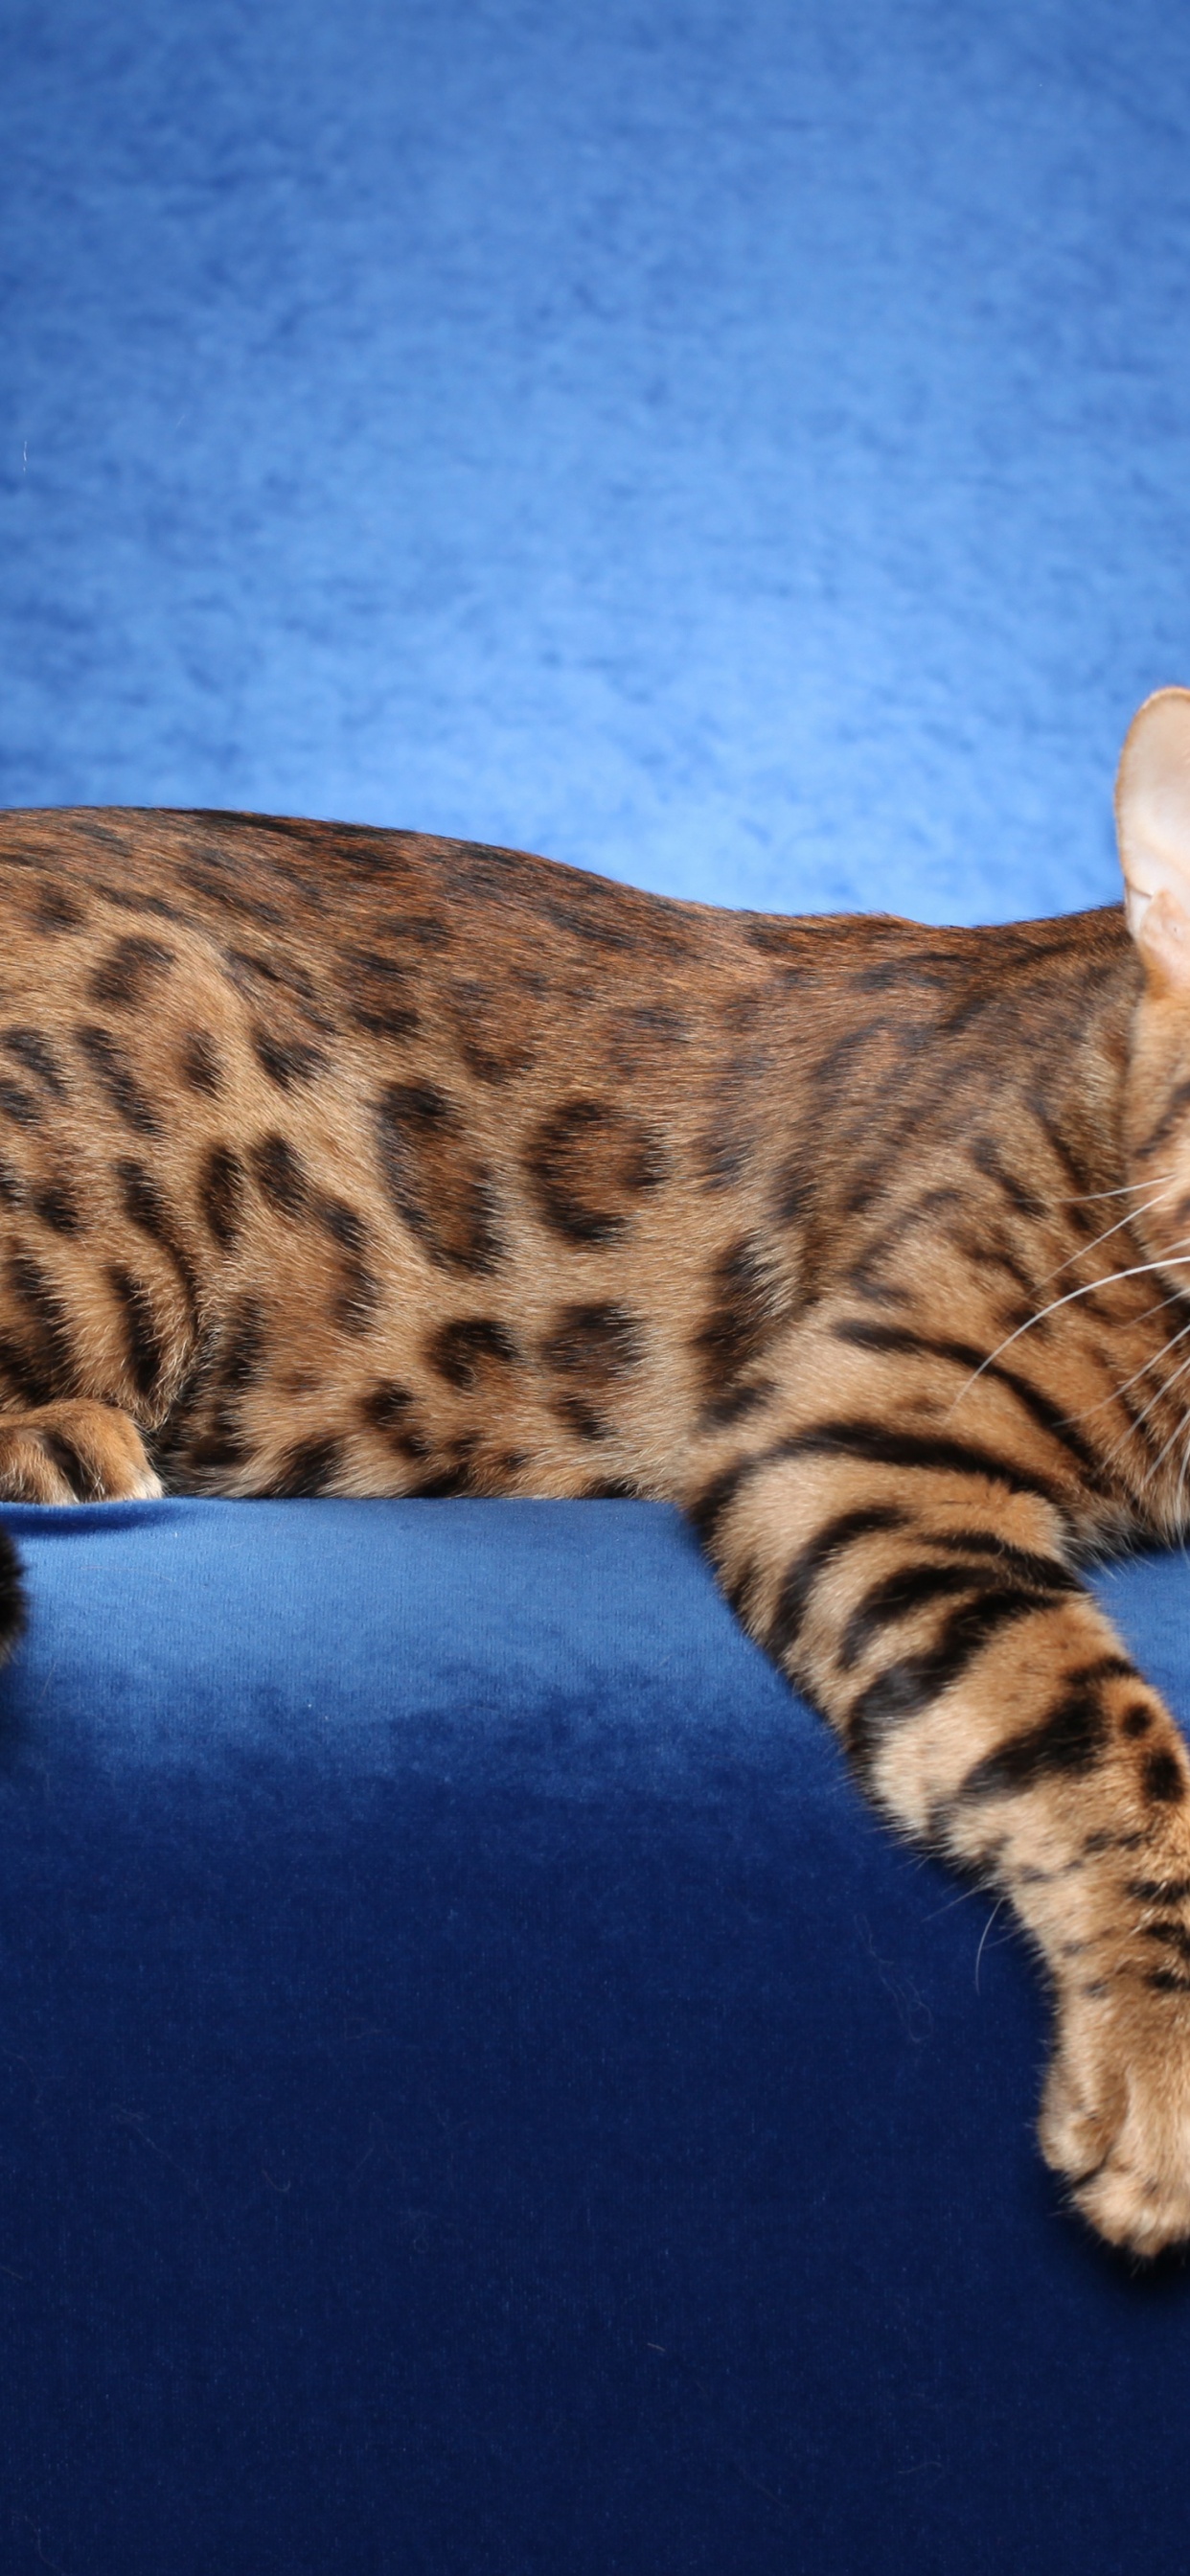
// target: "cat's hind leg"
[[75, 1452]]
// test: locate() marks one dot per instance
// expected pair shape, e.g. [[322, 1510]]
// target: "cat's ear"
[[1153, 826]]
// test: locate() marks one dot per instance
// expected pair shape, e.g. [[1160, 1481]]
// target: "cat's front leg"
[[74, 1452], [919, 1589]]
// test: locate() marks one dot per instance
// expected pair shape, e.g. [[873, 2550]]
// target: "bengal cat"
[[340, 1161]]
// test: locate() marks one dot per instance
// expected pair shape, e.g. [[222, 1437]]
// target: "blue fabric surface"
[[480, 2092]]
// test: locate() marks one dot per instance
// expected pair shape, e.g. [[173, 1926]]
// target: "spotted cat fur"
[[339, 1161]]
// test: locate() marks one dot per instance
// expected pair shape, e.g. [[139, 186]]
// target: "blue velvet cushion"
[[481, 2092]]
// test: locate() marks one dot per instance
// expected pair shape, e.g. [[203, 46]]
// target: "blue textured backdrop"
[[742, 446]]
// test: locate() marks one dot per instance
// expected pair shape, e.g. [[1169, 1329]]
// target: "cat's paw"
[[1115, 2121], [73, 1453]]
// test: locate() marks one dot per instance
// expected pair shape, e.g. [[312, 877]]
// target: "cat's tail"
[[12, 1598]]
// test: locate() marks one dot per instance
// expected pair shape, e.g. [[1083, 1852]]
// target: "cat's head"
[[1153, 825]]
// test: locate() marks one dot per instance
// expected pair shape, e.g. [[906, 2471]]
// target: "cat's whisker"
[[1161, 1393], [1178, 1434], [1177, 1299], [1090, 1196], [1179, 1511], [1132, 1218], [1115, 1392], [1000, 1901], [1179, 1515], [1139, 1271], [966, 1896]]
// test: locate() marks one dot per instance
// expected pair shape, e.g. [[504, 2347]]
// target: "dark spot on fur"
[[1163, 1779], [247, 969], [599, 1342], [728, 1146], [283, 974], [383, 1012], [58, 911], [387, 1404], [217, 1448], [590, 1163], [19, 1105], [738, 1403], [657, 1020], [640, 1037], [280, 1175], [387, 1408], [224, 892], [357, 1300], [461, 1350], [496, 1043], [585, 922], [52, 1369], [144, 1341], [1172, 1936], [364, 961], [146, 1207], [286, 1060], [412, 1443], [443, 1193], [201, 1064], [100, 836], [384, 1019], [359, 1295], [793, 1199], [13, 1187], [423, 929], [56, 1203], [125, 901], [343, 1223], [773, 938], [221, 1194], [753, 1304], [120, 1084], [242, 1353], [123, 976], [578, 1416], [306, 1470], [35, 1053], [444, 1481], [1136, 1721]]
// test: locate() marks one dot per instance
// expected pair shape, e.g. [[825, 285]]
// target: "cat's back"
[[400, 936], [610, 1065]]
